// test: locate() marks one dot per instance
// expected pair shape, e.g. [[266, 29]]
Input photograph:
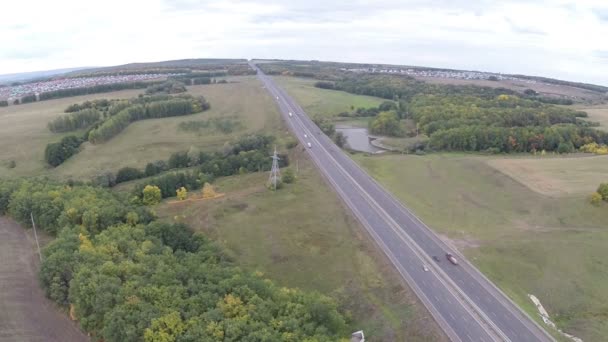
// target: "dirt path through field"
[[25, 313]]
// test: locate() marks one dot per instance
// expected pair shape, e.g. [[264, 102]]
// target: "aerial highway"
[[465, 304]]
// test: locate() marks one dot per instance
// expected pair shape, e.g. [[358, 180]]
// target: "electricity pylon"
[[275, 172]]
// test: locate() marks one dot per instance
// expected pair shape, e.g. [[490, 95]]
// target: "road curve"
[[466, 305]]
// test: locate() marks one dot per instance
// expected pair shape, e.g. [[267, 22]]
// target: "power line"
[[275, 171]]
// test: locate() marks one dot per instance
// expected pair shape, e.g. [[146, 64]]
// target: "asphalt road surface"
[[467, 306]]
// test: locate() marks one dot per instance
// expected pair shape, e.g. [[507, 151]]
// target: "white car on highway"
[[305, 135], [290, 114], [309, 145]]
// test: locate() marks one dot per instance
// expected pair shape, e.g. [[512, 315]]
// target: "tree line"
[[159, 109], [74, 121], [100, 88], [250, 153], [126, 277], [167, 87]]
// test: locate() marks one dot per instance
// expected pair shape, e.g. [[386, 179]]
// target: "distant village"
[[10, 93], [463, 75]]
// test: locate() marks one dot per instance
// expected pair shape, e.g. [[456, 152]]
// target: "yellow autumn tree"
[[182, 193], [165, 329], [152, 195], [208, 191]]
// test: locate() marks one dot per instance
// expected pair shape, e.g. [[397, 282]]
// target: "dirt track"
[[25, 313]]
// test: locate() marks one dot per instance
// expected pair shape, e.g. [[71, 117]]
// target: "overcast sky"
[[561, 39]]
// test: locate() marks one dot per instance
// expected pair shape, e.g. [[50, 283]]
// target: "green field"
[[301, 236], [24, 134], [557, 176], [527, 243], [598, 113], [141, 142], [323, 102]]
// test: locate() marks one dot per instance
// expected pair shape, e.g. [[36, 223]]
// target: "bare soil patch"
[[25, 313]]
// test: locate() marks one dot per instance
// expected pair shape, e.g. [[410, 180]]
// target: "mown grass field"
[[556, 176], [301, 236], [524, 241], [323, 102], [24, 133], [598, 113], [148, 140]]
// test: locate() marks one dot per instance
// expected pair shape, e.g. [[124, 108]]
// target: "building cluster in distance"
[[18, 91], [455, 74]]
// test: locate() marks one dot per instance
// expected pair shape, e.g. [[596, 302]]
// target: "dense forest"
[[471, 118], [126, 277]]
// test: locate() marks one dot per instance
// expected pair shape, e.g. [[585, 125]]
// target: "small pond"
[[357, 138]]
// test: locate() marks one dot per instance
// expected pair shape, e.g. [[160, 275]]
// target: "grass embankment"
[[302, 236], [524, 241]]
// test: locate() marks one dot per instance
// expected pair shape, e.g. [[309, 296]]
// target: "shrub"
[[128, 173], [565, 147], [57, 153], [151, 195], [291, 143], [595, 199], [603, 191], [179, 160], [181, 193], [288, 176], [154, 168], [12, 164]]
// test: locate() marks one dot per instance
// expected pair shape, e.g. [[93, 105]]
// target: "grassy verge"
[[527, 243], [302, 236]]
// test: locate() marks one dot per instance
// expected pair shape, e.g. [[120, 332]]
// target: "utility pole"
[[275, 172], [36, 235]]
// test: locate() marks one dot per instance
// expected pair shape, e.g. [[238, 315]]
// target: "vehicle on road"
[[305, 135], [309, 145], [277, 97], [436, 258], [451, 258], [426, 269], [290, 114]]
